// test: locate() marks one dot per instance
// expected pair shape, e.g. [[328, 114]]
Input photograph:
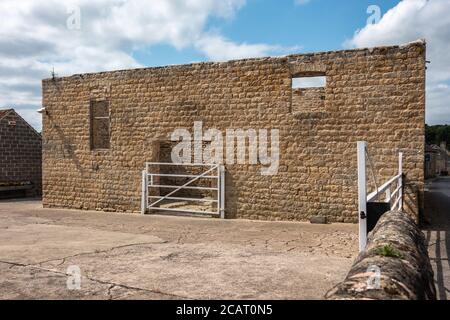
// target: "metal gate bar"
[[148, 182], [191, 188], [182, 199]]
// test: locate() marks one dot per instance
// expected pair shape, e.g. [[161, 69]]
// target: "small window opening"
[[309, 82], [100, 125], [308, 92]]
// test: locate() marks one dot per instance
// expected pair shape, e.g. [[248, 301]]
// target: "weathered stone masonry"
[[377, 95]]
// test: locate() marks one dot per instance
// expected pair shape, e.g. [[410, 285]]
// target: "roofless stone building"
[[100, 129]]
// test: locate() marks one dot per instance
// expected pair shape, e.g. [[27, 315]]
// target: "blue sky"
[[319, 25], [78, 36]]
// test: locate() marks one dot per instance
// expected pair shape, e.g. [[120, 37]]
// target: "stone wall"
[[20, 153], [308, 100], [165, 150], [394, 265], [377, 95]]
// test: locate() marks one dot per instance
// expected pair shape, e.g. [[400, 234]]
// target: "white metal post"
[[400, 172], [362, 194], [219, 202], [144, 192], [147, 193], [222, 192], [388, 195]]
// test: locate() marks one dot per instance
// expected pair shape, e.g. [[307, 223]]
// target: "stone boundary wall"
[[396, 249]]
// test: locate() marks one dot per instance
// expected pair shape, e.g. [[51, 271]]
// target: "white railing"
[[392, 190], [211, 171]]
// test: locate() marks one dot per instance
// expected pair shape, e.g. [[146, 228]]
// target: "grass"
[[388, 251]]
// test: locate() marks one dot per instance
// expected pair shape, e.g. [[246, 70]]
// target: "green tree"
[[437, 134]]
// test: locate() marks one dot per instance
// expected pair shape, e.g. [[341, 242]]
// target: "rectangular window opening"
[[309, 82], [100, 125], [308, 92]]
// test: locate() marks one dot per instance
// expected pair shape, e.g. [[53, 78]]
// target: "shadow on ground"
[[436, 226]]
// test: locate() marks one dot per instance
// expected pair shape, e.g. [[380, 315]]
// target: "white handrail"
[[382, 189], [395, 191], [397, 202], [364, 198]]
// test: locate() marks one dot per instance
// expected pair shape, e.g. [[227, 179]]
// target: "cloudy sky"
[[76, 36]]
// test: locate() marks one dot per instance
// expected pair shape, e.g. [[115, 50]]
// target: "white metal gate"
[[393, 197], [209, 171]]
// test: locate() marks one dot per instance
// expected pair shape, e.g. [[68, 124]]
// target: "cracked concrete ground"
[[125, 256]]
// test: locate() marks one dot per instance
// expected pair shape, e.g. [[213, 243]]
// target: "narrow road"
[[436, 226]]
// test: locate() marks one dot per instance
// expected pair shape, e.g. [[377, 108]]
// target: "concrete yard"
[[126, 256]]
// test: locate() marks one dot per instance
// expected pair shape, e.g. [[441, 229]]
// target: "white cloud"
[[411, 20], [438, 100], [34, 38], [218, 48]]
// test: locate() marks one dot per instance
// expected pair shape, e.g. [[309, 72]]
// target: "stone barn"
[[20, 157], [100, 129]]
